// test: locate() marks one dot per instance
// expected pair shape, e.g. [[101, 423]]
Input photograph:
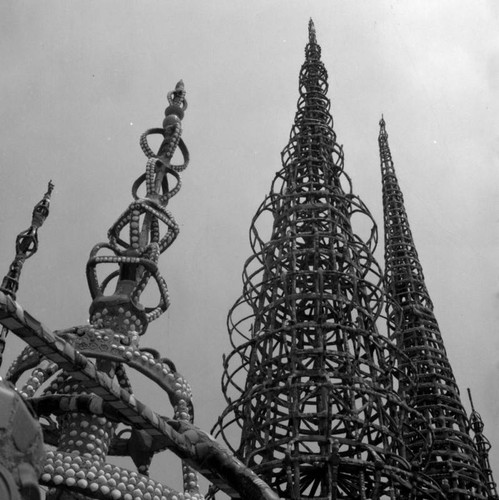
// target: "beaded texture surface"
[[84, 431]]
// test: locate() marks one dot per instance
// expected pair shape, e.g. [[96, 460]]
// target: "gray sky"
[[81, 81]]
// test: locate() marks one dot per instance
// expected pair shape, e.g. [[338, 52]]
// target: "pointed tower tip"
[[382, 129], [311, 32], [180, 85], [471, 399]]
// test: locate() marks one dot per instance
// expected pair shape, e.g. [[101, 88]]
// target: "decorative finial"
[[41, 210], [311, 32], [177, 101], [26, 246]]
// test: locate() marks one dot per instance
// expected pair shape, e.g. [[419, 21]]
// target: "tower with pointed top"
[[453, 460], [310, 381]]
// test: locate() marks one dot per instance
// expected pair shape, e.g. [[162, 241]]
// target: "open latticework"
[[453, 460], [311, 381]]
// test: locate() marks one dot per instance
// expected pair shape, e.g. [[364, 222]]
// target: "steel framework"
[[312, 382], [338, 380], [453, 460]]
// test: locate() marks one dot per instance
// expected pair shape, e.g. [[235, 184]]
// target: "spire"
[[310, 379], [382, 128], [453, 459], [311, 32], [27, 244], [26, 247]]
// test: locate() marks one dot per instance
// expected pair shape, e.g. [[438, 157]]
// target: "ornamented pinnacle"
[[27, 244], [26, 247], [137, 255]]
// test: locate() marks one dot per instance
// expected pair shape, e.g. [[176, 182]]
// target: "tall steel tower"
[[453, 460], [311, 380]]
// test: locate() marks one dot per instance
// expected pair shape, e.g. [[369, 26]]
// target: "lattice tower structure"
[[453, 459], [311, 381]]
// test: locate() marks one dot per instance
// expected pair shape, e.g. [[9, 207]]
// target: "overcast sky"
[[81, 80]]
